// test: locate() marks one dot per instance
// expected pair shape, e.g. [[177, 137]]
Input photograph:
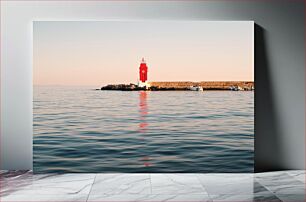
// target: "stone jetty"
[[184, 85]]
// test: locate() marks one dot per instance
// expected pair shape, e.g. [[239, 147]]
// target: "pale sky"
[[103, 52]]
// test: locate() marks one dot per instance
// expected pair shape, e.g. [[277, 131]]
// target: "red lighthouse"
[[143, 71], [143, 74]]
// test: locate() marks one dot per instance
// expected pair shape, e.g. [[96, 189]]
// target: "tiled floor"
[[272, 186]]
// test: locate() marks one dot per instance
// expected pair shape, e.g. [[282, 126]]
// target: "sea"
[[83, 130]]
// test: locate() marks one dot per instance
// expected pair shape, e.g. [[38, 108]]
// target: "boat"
[[196, 88], [236, 88]]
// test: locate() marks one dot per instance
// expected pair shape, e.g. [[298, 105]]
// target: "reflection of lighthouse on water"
[[142, 127], [143, 111]]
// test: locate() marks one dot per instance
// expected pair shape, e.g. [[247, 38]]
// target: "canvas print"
[[143, 96]]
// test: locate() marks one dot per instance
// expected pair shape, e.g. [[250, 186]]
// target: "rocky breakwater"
[[184, 85], [206, 85], [123, 87]]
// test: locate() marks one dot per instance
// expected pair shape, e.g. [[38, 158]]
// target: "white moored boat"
[[196, 88]]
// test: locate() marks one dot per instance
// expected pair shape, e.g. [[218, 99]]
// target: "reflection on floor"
[[272, 186]]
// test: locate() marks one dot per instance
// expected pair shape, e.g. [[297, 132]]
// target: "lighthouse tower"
[[143, 74]]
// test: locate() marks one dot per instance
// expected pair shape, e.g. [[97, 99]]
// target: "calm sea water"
[[78, 129]]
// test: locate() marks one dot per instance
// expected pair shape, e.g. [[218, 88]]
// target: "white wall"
[[280, 73]]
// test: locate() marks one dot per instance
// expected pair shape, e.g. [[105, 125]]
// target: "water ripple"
[[81, 130]]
